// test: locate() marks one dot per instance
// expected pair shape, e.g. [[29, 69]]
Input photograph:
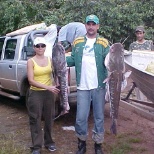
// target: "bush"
[[118, 18]]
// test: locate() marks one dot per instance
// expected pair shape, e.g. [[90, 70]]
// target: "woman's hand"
[[53, 89]]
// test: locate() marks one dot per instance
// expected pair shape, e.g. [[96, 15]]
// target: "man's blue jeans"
[[84, 100]]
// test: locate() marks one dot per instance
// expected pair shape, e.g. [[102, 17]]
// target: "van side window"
[[10, 49], [1, 46]]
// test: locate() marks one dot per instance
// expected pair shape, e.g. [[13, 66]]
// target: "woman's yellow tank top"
[[42, 74]]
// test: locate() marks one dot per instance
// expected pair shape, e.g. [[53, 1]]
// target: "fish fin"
[[123, 85], [124, 82], [107, 94], [55, 77], [106, 97], [57, 81], [127, 74], [107, 79]]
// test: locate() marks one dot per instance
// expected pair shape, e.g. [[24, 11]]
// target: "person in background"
[[68, 33], [41, 97], [141, 43], [88, 54]]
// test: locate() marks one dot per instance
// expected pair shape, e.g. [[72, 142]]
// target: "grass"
[[8, 145], [122, 148], [122, 144], [119, 147], [134, 140], [125, 143]]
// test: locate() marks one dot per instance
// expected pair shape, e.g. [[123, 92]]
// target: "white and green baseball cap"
[[93, 18]]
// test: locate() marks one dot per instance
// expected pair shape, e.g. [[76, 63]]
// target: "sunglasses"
[[40, 46]]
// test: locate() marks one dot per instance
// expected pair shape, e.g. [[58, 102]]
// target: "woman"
[[41, 97]]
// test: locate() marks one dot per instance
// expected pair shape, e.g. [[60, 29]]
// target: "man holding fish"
[[88, 55]]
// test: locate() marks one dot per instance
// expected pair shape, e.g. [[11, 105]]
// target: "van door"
[[8, 65]]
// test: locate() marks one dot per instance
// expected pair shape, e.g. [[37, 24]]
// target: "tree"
[[118, 18]]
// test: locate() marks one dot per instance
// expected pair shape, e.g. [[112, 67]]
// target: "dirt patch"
[[135, 134]]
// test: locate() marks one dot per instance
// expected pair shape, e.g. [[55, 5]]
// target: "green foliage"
[[118, 18], [11, 16]]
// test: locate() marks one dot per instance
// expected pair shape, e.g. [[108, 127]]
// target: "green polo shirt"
[[101, 49]]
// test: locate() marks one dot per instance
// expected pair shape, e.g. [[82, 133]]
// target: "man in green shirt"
[[88, 55]]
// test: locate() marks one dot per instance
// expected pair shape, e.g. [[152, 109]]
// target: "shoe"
[[51, 148], [98, 149], [81, 147], [36, 152]]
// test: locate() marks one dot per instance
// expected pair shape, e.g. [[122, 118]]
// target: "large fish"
[[116, 68], [60, 75]]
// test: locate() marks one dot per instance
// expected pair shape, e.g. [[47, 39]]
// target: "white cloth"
[[89, 79], [50, 39], [106, 62], [71, 31]]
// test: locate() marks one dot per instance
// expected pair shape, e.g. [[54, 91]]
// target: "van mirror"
[[28, 52]]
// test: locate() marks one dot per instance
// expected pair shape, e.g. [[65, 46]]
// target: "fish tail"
[[64, 94]]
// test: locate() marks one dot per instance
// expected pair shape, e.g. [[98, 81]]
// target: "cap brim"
[[139, 30], [92, 21]]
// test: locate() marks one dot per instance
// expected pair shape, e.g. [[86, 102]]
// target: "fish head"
[[58, 50], [117, 47], [58, 58], [116, 57]]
